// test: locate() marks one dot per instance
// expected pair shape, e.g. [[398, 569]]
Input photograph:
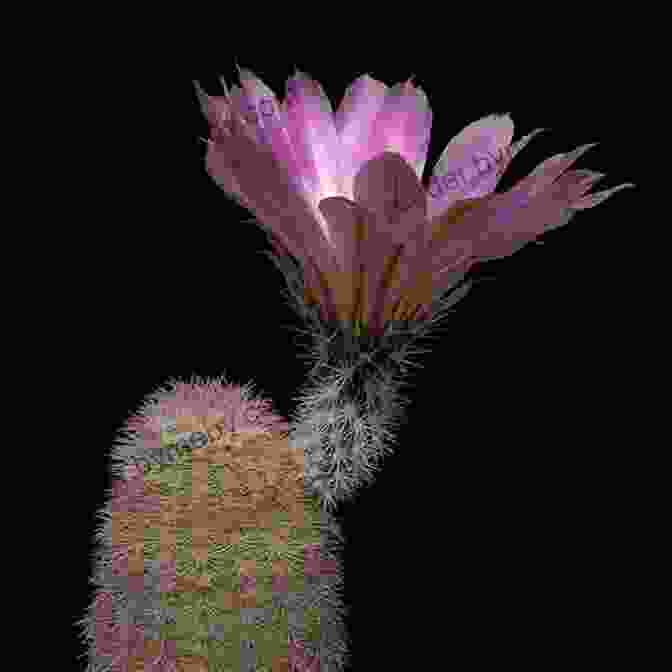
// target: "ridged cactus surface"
[[214, 553]]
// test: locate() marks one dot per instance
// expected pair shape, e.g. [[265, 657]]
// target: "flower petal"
[[514, 220], [550, 169], [453, 232], [412, 260], [218, 167], [270, 123], [467, 168], [346, 222], [218, 112], [378, 252], [239, 107], [533, 205], [402, 126], [354, 121], [309, 121], [387, 185], [343, 219], [234, 158], [392, 199], [266, 187], [216, 109]]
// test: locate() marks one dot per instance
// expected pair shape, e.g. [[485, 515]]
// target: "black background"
[[501, 528]]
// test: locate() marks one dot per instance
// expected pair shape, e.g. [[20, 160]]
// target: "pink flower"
[[341, 191]]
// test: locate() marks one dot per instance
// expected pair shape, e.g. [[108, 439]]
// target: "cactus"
[[214, 552], [219, 549]]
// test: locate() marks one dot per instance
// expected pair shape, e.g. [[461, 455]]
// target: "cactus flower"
[[342, 192]]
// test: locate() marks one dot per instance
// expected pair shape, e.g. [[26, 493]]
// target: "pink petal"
[[412, 260], [467, 168], [218, 167], [245, 112], [402, 126], [533, 205], [385, 188], [216, 109], [237, 111], [346, 222], [378, 251], [513, 220], [222, 163], [270, 120], [550, 169], [354, 121], [319, 285], [267, 188], [309, 121], [343, 218], [387, 185], [456, 249]]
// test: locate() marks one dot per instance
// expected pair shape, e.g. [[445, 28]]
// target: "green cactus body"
[[217, 557]]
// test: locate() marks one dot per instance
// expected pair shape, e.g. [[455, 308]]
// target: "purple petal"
[[354, 121], [309, 120], [468, 166], [402, 126]]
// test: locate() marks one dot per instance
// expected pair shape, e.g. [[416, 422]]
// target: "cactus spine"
[[214, 554]]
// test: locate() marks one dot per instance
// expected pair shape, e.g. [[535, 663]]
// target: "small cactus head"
[[211, 508], [190, 416]]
